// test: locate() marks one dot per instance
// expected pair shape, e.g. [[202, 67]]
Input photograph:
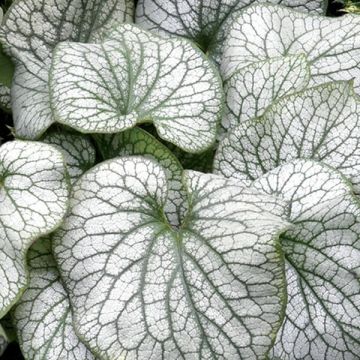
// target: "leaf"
[[31, 30], [322, 252], [321, 123], [264, 31], [43, 317], [78, 151], [33, 196], [141, 289], [204, 22], [136, 77], [251, 90], [138, 142]]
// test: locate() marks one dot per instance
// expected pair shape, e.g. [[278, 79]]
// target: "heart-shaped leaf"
[[141, 289], [135, 77], [77, 149], [205, 22], [31, 30], [33, 197], [332, 45], [321, 123], [322, 252], [251, 90], [42, 317], [138, 142]]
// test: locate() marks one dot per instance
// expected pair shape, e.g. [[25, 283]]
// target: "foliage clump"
[[181, 180]]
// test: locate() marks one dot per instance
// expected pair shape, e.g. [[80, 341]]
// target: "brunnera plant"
[[114, 245]]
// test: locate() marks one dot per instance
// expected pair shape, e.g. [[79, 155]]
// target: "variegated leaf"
[[31, 30], [260, 32], [42, 317], [252, 89], [322, 252], [321, 123], [34, 196], [136, 77], [205, 22], [78, 151], [138, 142], [144, 290]]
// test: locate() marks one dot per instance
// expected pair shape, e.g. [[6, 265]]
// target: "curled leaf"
[[322, 253], [135, 77]]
